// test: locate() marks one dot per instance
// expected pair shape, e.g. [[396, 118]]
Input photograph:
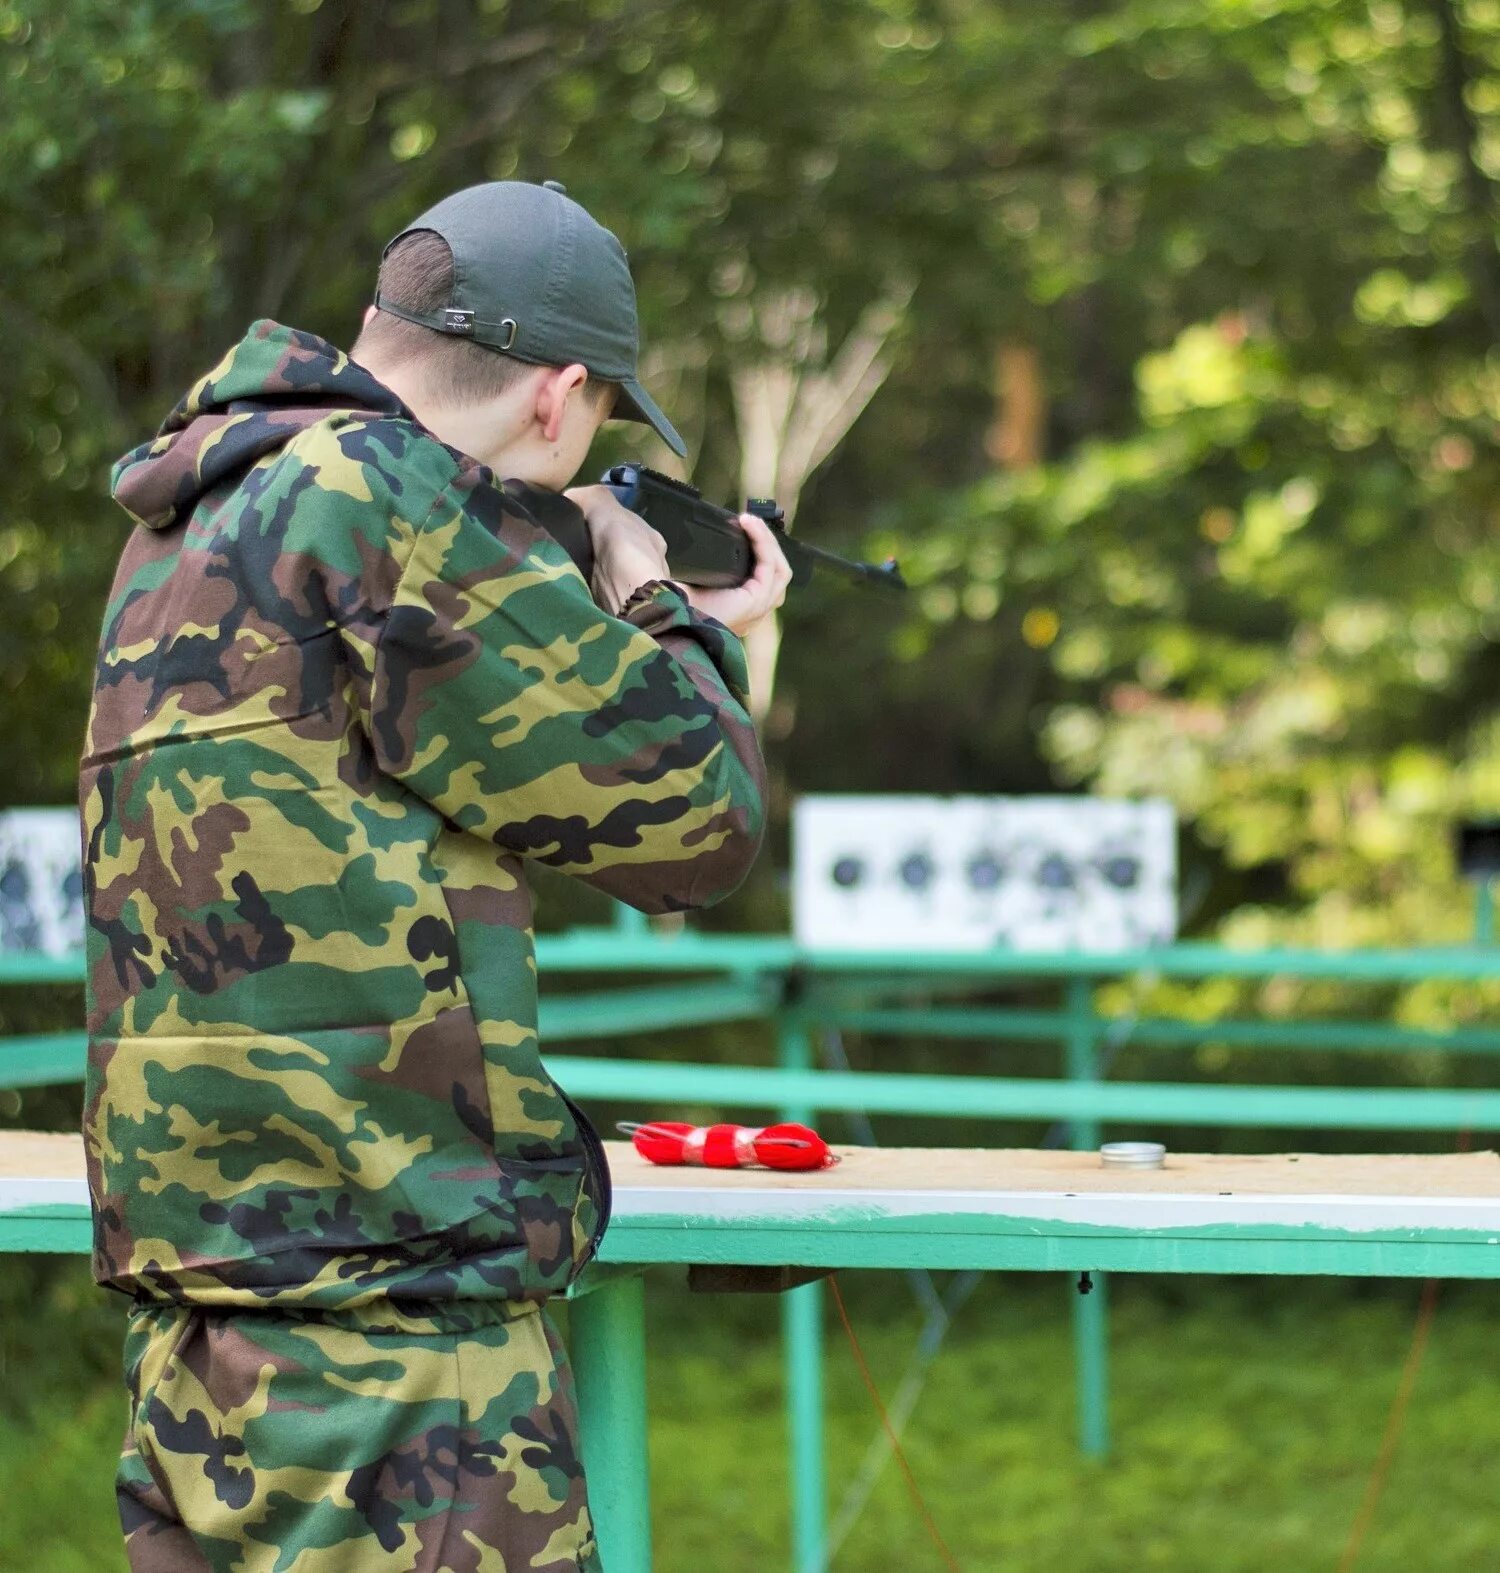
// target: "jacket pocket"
[[597, 1178]]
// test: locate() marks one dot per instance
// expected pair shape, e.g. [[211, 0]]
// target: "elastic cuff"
[[656, 605]]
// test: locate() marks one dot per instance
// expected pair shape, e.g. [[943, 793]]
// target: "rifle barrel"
[[887, 573]]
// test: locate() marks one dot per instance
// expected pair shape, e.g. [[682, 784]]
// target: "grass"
[[1247, 1415]]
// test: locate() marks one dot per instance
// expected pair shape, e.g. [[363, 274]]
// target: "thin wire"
[[908, 1392], [1393, 1425], [939, 1308], [1395, 1420], [911, 1483]]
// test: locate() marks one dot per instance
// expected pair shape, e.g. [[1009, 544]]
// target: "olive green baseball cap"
[[537, 277]]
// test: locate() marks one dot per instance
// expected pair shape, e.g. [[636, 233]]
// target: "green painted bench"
[[1367, 1216]]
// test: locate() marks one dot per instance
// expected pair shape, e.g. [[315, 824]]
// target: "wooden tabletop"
[[41, 1155], [1011, 1169]]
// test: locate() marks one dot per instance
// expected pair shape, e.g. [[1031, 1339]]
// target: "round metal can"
[[1132, 1155]]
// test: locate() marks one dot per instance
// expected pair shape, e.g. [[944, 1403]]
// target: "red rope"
[[1396, 1419], [890, 1430], [1393, 1425]]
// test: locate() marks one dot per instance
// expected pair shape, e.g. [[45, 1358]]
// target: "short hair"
[[417, 275]]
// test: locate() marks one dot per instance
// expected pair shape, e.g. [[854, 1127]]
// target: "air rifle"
[[706, 545]]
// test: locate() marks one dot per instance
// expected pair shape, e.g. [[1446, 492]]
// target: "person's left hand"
[[627, 551]]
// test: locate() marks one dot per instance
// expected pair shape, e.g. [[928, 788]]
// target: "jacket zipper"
[[597, 1167]]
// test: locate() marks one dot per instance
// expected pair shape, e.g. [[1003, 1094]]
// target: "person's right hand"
[[627, 551]]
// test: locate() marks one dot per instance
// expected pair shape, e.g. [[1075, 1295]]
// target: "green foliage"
[[1258, 570], [1251, 243]]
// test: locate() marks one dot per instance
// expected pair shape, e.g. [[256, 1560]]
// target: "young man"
[[347, 686]]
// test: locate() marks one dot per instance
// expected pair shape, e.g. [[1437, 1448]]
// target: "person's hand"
[[743, 605], [627, 551]]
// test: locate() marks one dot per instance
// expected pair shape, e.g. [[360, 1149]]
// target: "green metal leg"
[[1091, 1365], [607, 1327], [1090, 1311], [802, 1327], [1080, 1050], [802, 1361]]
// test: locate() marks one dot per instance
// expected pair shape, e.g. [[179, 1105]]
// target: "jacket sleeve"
[[617, 749]]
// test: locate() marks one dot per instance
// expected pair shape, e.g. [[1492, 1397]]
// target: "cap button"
[[555, 185]]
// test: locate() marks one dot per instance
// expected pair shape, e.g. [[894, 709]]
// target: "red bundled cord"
[[729, 1146]]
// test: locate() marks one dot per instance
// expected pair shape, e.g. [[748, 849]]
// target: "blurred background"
[[1156, 338]]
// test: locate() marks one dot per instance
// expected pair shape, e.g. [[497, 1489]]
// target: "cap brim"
[[635, 404]]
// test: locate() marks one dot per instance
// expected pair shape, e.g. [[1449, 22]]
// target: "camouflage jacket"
[[346, 687]]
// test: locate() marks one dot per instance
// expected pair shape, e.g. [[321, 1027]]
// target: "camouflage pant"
[[351, 1442]]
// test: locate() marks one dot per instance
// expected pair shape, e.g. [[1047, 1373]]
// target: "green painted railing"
[[616, 950]]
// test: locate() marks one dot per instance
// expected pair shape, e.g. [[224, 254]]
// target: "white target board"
[[41, 882], [1039, 874]]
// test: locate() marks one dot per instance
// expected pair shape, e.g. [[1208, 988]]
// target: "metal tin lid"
[[1132, 1155]]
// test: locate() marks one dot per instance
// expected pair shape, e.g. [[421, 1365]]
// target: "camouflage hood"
[[273, 384]]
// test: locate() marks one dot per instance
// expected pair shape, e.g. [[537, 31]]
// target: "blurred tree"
[[793, 405]]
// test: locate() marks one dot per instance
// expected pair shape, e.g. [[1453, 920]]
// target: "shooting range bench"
[[1375, 1216]]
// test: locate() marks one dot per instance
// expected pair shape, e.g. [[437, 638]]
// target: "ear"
[[552, 397], [368, 317]]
